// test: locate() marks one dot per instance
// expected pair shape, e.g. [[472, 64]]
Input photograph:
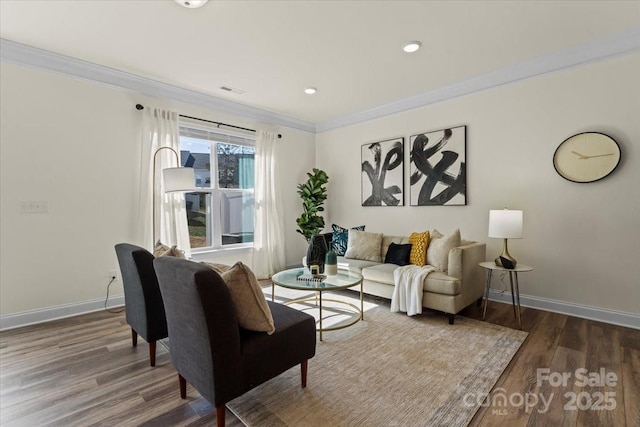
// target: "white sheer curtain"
[[160, 129], [268, 239]]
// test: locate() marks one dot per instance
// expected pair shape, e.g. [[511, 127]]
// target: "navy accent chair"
[[209, 349], [143, 303]]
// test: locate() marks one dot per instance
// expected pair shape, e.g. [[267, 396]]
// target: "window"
[[221, 215]]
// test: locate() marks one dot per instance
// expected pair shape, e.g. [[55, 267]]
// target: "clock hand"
[[600, 155], [582, 156]]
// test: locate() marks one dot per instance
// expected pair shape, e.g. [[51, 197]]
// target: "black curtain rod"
[[141, 107]]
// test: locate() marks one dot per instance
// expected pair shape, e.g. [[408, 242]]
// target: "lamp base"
[[507, 263], [505, 259]]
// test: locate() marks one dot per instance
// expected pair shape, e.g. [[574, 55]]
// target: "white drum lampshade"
[[505, 224], [178, 179]]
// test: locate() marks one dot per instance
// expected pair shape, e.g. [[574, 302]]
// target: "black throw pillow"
[[398, 254]]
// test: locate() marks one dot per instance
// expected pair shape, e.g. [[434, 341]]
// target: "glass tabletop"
[[289, 279]]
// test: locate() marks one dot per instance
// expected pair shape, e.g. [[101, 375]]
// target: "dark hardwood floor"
[[83, 371]]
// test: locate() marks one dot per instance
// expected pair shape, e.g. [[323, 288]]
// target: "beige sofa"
[[449, 292]]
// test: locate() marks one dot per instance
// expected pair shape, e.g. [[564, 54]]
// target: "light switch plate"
[[41, 206]]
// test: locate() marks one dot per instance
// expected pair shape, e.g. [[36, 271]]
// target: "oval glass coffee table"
[[343, 280]]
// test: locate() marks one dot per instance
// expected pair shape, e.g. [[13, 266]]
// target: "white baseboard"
[[31, 317], [629, 320]]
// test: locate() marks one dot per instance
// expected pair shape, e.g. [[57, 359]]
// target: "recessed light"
[[192, 4], [310, 90], [411, 46]]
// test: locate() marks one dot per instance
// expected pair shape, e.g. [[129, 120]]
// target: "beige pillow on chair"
[[218, 268], [164, 250], [249, 302]]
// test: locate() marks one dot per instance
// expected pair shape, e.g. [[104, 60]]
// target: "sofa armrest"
[[464, 264]]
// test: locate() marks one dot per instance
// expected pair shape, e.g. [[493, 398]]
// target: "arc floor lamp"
[[178, 179]]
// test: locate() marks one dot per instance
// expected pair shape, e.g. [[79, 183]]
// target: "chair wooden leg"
[[134, 337], [451, 318], [303, 373], [220, 415], [152, 353], [183, 386]]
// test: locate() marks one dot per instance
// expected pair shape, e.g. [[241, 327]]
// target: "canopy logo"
[[594, 400]]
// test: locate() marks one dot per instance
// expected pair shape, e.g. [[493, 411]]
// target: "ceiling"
[[350, 50]]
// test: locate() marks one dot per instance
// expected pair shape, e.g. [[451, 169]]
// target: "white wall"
[[582, 239], [75, 144]]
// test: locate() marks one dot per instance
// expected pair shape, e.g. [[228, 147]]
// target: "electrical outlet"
[[112, 274]]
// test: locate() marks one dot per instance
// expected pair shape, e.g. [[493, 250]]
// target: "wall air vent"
[[232, 90]]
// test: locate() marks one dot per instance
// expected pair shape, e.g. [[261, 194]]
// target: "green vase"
[[331, 257], [331, 263]]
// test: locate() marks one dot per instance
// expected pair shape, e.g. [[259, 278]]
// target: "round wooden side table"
[[513, 279]]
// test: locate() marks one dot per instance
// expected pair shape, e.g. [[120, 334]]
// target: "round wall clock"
[[586, 157]]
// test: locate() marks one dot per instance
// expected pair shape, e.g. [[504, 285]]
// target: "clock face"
[[586, 157]]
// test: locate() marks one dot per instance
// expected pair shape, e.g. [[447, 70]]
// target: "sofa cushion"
[[364, 245], [438, 252], [398, 254], [355, 265], [419, 243], [440, 283], [382, 273], [436, 282], [341, 237]]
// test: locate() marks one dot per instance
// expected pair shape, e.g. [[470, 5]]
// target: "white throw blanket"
[[409, 284]]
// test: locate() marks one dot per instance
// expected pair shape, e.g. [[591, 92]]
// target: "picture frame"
[[382, 173], [438, 168]]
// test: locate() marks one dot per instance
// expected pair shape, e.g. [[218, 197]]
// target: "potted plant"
[[313, 194]]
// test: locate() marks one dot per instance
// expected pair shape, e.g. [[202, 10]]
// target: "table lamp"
[[505, 224]]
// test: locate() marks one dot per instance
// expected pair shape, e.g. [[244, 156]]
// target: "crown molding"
[[24, 55], [623, 43]]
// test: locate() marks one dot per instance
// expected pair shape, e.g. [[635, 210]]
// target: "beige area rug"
[[388, 370]]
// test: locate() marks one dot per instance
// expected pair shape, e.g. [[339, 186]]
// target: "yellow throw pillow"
[[419, 244]]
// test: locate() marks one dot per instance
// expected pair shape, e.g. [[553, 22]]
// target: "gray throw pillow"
[[364, 245]]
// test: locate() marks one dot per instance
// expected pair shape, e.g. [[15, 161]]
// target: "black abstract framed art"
[[382, 171], [438, 168]]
